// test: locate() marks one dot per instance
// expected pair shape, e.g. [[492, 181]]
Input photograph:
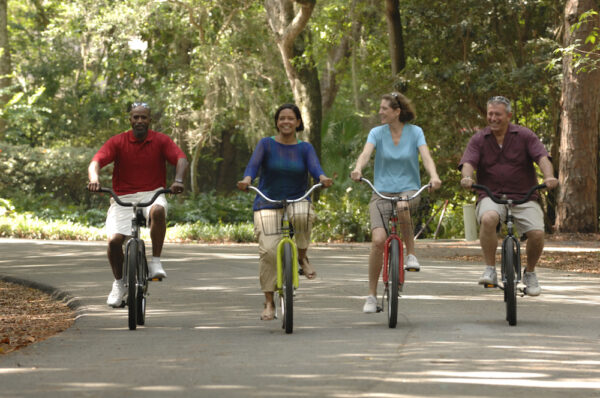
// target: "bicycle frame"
[[285, 291], [511, 253], [392, 289], [509, 222], [285, 231], [137, 285]]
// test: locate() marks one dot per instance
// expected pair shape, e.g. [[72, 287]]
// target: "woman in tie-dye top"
[[283, 163]]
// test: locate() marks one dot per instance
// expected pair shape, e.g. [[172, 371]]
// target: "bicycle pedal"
[[156, 279], [489, 285], [412, 269], [379, 309]]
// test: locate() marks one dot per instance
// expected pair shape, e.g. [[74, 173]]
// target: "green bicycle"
[[287, 259]]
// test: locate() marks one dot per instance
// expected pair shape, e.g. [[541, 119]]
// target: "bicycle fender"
[[386, 252], [280, 265]]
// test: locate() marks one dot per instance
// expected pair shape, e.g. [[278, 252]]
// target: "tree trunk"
[[392, 13], [288, 27], [577, 209], [5, 63]]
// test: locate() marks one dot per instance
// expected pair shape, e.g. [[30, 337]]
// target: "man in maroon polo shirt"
[[139, 157], [503, 155]]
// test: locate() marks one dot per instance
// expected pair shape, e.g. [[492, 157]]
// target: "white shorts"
[[528, 216], [118, 218]]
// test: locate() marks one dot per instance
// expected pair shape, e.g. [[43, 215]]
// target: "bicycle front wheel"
[[393, 275], [288, 288], [509, 253], [132, 270]]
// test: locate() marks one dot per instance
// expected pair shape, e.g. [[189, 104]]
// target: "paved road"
[[204, 338]]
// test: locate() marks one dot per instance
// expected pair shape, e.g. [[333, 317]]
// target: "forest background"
[[215, 71]]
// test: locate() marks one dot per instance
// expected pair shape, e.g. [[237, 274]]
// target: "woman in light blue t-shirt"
[[398, 145]]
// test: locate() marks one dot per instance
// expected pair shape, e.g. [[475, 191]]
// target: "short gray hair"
[[498, 99]]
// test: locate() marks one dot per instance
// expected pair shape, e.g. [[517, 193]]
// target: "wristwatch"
[[179, 181]]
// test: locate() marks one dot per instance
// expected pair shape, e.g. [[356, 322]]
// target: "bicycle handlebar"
[[501, 201], [138, 204], [253, 188], [398, 198]]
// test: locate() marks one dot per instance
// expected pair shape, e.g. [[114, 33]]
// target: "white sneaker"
[[117, 294], [155, 269], [489, 276], [532, 286], [370, 305], [411, 263]]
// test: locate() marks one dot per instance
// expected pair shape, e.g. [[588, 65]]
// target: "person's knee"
[[157, 213], [116, 241], [378, 240], [535, 236], [489, 220]]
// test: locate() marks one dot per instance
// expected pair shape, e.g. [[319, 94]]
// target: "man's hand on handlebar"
[[551, 183], [93, 186], [177, 187]]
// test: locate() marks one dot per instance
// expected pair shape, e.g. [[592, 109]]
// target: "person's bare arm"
[[467, 176], [93, 176], [362, 161], [180, 169], [429, 165], [548, 171]]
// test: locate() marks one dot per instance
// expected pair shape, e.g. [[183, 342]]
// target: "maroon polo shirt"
[[138, 166], [508, 169]]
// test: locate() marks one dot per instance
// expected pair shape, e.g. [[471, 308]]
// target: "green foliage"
[[341, 218], [41, 175], [211, 208]]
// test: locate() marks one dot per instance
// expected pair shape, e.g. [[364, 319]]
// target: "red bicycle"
[[393, 268]]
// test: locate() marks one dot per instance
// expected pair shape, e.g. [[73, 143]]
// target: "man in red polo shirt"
[[139, 157], [503, 155]]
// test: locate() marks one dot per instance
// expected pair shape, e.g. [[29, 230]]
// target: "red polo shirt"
[[138, 166], [508, 169]]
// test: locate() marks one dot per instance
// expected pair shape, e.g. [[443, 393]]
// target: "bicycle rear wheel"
[[141, 292], [509, 252], [288, 289], [132, 270], [393, 275]]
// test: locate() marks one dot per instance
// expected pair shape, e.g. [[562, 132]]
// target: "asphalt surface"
[[203, 336]]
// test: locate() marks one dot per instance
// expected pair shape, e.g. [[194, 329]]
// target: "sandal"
[[307, 270], [268, 314]]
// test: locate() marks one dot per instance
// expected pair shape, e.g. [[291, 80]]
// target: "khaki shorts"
[[118, 218], [528, 216], [380, 210]]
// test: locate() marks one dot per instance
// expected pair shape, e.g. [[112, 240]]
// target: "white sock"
[[153, 259]]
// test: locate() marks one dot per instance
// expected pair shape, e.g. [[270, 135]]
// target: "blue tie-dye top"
[[283, 170]]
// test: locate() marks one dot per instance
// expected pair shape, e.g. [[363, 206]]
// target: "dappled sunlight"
[[224, 387], [159, 388]]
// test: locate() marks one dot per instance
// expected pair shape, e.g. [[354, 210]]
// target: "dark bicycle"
[[135, 265], [511, 253]]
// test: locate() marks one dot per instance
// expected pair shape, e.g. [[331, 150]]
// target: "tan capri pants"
[[267, 231]]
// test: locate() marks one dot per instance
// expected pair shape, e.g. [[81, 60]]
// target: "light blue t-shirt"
[[397, 166]]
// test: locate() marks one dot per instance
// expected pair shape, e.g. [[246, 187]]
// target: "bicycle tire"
[[288, 288], [508, 271], [132, 266], [393, 280], [141, 293]]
